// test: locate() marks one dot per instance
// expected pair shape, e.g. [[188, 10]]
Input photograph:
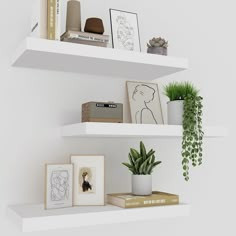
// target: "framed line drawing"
[[58, 186], [145, 105], [88, 180], [125, 30]]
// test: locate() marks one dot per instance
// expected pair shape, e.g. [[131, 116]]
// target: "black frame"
[[111, 9]]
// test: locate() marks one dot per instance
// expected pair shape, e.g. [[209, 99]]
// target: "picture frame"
[[145, 103], [125, 30], [58, 186], [89, 178]]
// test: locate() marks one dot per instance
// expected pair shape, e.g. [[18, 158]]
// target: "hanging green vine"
[[192, 122], [192, 133]]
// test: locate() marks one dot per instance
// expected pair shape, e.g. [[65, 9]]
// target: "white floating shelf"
[[116, 130], [34, 218], [69, 57]]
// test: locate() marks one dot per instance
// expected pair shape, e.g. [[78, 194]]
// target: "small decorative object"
[[88, 179], [125, 30], [127, 200], [144, 103], [185, 108], [157, 46], [73, 17], [141, 165], [58, 192], [94, 25], [102, 112]]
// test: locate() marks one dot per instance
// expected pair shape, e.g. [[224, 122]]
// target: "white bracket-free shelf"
[[69, 57], [34, 218], [116, 130]]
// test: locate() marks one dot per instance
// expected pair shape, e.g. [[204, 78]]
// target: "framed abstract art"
[[125, 30], [59, 186]]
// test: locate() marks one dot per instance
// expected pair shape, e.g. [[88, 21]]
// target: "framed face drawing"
[[88, 180], [144, 100], [125, 30], [58, 192]]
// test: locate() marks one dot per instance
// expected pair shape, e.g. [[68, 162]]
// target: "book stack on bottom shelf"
[[127, 200]]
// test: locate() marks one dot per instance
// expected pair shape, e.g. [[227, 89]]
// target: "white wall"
[[34, 104]]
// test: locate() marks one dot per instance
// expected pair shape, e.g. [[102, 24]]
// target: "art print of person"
[[86, 185], [87, 180], [142, 95]]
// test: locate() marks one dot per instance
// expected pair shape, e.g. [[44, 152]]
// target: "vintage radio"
[[102, 112]]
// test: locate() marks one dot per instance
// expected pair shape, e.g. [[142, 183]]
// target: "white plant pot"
[[142, 185], [175, 111]]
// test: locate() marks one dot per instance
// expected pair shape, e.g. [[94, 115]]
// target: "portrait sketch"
[[88, 180], [125, 31], [145, 105], [58, 186]]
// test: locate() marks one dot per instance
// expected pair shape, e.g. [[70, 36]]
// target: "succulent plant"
[[158, 42], [141, 163]]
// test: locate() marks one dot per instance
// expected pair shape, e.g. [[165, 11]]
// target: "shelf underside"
[[117, 130], [34, 218], [69, 57]]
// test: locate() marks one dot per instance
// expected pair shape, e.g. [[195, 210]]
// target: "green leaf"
[[142, 150], [134, 153]]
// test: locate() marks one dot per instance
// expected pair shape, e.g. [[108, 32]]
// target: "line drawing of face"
[[125, 32], [143, 93], [59, 185]]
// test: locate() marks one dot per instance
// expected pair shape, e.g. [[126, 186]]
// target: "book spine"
[[52, 19], [58, 20], [153, 202]]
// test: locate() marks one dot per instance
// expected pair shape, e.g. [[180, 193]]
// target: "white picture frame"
[[144, 101], [58, 186], [125, 30], [89, 189]]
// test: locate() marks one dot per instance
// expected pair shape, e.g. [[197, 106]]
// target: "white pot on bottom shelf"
[[175, 111], [142, 185]]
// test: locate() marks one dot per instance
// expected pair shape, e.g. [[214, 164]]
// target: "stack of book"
[[85, 38], [48, 21], [127, 200]]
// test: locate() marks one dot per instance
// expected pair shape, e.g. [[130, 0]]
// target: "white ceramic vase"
[[142, 185], [175, 111]]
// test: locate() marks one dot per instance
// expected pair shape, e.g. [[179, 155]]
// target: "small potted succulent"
[[185, 108], [141, 164], [157, 46]]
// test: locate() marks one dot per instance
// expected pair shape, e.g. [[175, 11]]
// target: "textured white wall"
[[34, 104]]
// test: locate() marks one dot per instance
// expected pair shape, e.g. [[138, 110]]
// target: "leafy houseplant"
[[141, 164], [191, 120], [157, 46]]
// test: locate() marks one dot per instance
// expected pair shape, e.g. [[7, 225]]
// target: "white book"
[[39, 19]]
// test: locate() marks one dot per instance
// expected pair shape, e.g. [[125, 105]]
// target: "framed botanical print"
[[59, 186], [125, 30], [88, 180], [145, 105]]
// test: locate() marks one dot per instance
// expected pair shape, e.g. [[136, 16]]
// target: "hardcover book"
[[127, 200], [85, 36], [53, 19]]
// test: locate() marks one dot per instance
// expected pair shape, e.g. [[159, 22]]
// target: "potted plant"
[[141, 164], [185, 108], [157, 46]]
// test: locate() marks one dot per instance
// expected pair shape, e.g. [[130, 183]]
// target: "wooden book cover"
[[127, 200]]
